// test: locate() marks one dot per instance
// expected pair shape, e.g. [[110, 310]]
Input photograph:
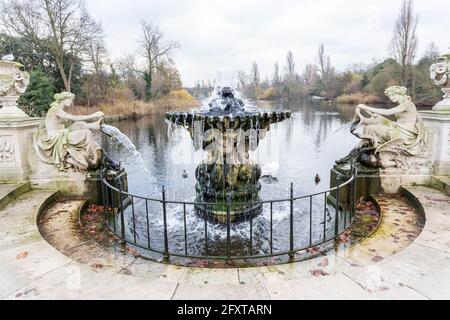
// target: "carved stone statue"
[[386, 143], [66, 140], [439, 73]]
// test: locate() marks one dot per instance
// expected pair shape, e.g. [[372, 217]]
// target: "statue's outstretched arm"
[[74, 118], [383, 112]]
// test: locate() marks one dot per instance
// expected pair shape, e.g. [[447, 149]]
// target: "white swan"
[[270, 170], [8, 57]]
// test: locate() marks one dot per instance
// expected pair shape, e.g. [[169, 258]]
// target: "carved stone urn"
[[13, 82], [439, 73]]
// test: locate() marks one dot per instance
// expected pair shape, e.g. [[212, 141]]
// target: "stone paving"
[[395, 263]]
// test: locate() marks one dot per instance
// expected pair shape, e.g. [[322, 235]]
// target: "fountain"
[[228, 131]]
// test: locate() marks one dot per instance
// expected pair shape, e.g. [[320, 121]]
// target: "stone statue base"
[[69, 184], [389, 180], [372, 183], [438, 123], [15, 144]]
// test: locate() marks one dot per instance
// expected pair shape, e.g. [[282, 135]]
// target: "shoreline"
[[135, 109]]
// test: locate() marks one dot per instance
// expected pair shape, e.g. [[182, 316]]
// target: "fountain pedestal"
[[228, 185]]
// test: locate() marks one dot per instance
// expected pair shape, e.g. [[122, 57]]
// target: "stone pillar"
[[438, 123], [16, 128], [16, 136]]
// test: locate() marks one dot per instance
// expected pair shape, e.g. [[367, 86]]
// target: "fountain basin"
[[228, 178], [219, 120]]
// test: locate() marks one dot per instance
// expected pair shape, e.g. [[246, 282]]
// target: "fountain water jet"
[[121, 138]]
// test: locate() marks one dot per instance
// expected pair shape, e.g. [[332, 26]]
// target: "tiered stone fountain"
[[227, 131]]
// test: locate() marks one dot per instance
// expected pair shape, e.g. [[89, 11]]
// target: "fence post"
[[291, 247], [122, 218], [166, 239], [338, 179], [228, 234], [355, 189], [105, 208]]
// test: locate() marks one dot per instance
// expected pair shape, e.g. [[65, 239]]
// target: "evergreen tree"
[[39, 95]]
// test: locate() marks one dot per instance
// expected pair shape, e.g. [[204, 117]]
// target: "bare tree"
[[64, 27], [327, 73], [96, 79], [324, 63], [242, 79], [256, 78], [432, 52], [96, 54], [131, 74], [290, 66], [156, 52], [404, 41], [276, 75], [309, 78]]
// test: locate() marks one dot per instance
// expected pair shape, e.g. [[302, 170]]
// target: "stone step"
[[401, 223], [60, 226], [9, 192], [441, 183], [18, 218]]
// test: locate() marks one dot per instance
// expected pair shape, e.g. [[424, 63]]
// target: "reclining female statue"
[[66, 140], [386, 143]]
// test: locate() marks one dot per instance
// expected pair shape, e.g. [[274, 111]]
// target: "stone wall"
[[438, 123]]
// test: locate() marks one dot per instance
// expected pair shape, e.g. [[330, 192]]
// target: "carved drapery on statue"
[[386, 143], [72, 147], [398, 146]]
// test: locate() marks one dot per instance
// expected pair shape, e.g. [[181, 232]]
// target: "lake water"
[[305, 146]]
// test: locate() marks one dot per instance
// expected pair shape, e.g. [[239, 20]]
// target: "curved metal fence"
[[116, 201]]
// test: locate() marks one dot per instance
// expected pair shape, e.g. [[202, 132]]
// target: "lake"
[[304, 146]]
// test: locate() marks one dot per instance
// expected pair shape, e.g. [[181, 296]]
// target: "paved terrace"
[[392, 264]]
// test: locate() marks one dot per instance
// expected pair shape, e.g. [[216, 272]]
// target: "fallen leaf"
[[126, 272], [324, 263], [134, 252], [318, 273], [377, 259], [23, 255]]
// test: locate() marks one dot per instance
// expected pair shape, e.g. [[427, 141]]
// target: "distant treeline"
[[359, 83]]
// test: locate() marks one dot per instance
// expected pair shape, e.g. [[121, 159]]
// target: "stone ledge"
[[12, 193], [441, 183]]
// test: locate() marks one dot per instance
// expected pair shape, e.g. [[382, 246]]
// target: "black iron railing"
[[116, 200]]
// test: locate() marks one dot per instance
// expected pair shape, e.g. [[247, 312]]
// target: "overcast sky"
[[227, 35]]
